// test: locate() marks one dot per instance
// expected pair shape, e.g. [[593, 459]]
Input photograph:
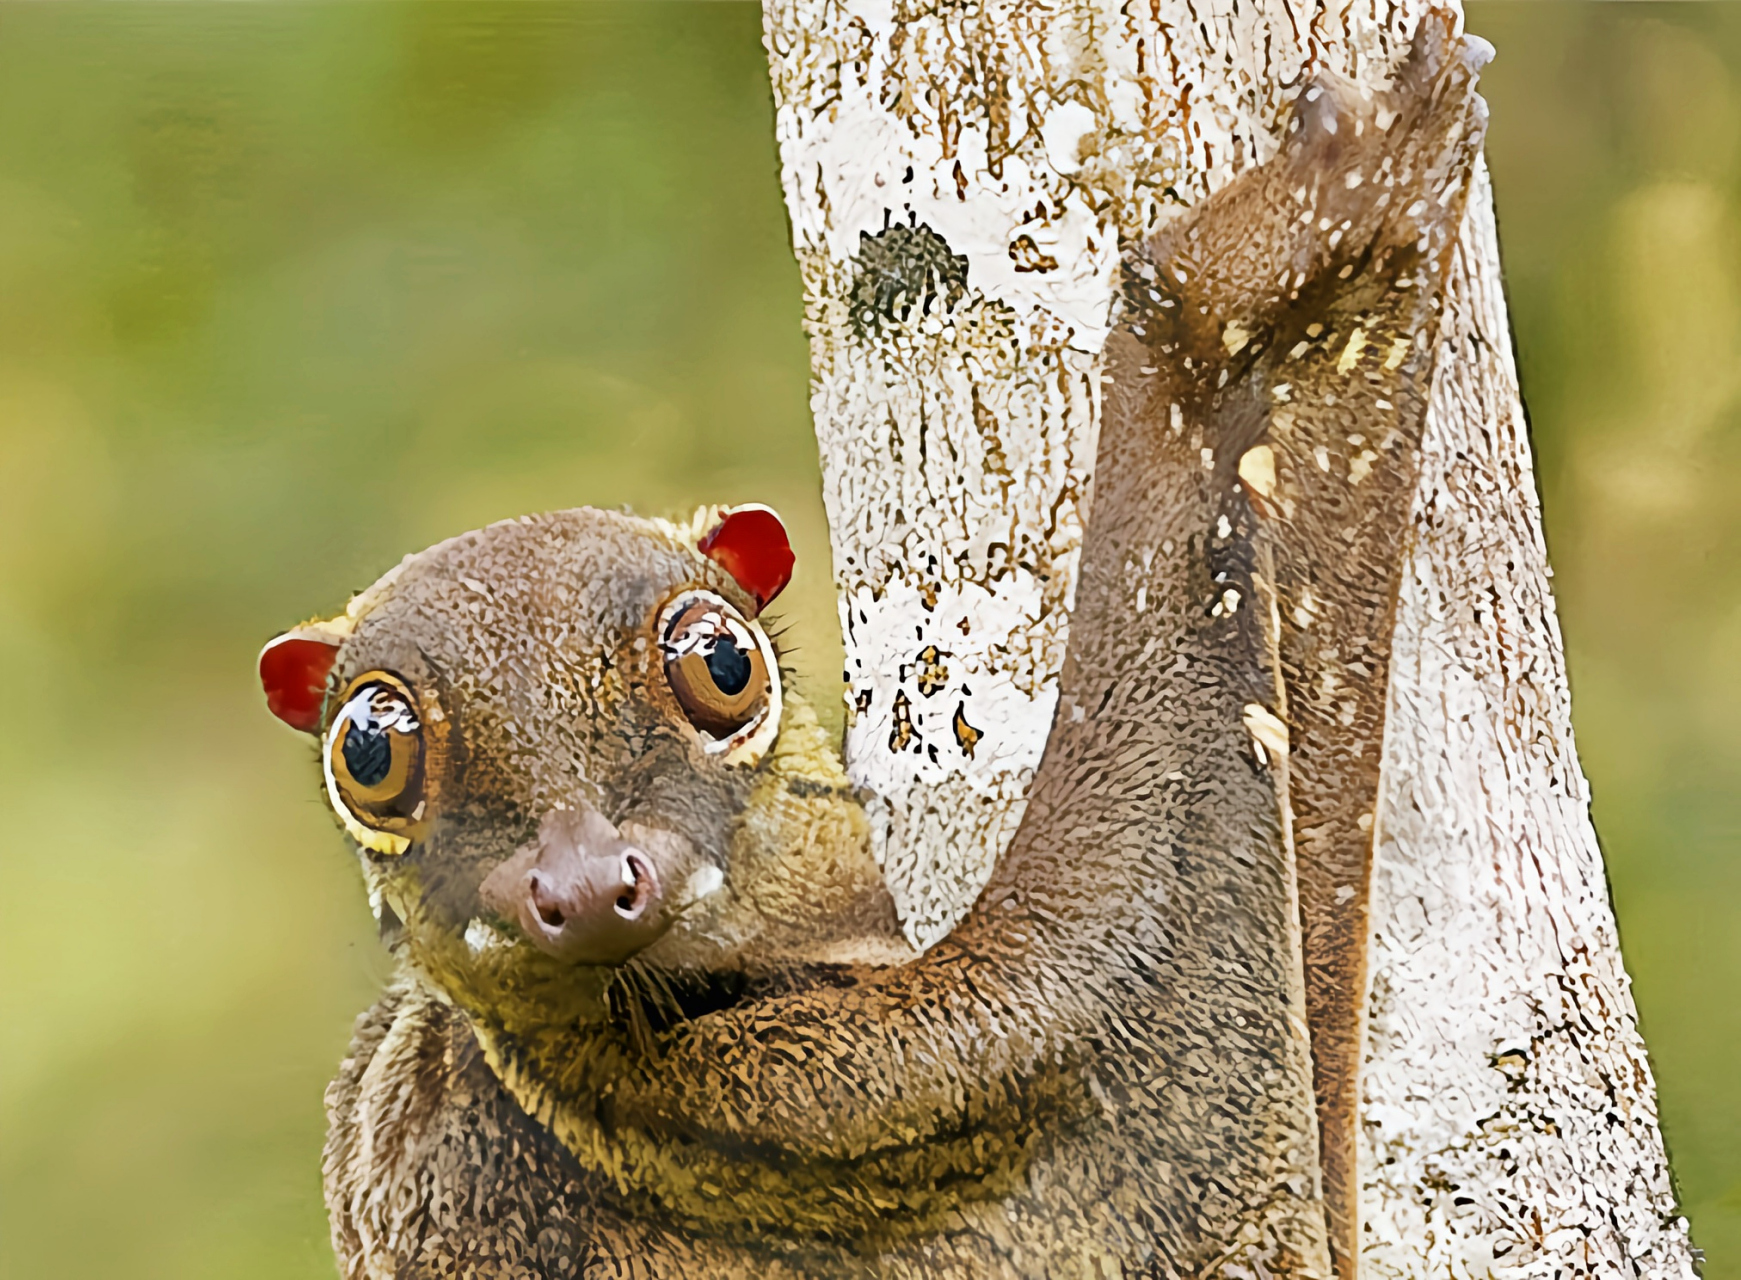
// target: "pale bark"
[[1509, 1115], [1508, 1111]]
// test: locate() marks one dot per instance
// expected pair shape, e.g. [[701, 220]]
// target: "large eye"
[[719, 670], [374, 762]]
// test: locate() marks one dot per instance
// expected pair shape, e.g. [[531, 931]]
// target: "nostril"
[[638, 887], [545, 903]]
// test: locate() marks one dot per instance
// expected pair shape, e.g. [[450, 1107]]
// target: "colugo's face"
[[540, 736]]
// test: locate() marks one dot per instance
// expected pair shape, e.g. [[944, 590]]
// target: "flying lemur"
[[654, 1014]]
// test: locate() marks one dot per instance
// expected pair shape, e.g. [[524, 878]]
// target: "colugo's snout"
[[585, 891]]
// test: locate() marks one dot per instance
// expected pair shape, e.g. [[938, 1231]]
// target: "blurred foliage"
[[287, 291]]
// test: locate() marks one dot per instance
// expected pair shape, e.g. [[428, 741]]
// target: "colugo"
[[654, 1012]]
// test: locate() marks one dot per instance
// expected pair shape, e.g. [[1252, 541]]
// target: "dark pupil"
[[368, 754], [729, 668]]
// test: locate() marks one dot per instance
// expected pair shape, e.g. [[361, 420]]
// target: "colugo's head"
[[543, 737]]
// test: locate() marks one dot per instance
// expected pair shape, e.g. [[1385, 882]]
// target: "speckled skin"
[[1104, 1070]]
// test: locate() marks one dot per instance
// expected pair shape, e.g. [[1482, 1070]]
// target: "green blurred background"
[[289, 290]]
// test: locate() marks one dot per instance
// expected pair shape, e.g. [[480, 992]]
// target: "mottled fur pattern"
[[1105, 1069]]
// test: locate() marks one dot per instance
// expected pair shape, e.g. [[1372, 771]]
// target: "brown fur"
[[1320, 554], [1104, 1070]]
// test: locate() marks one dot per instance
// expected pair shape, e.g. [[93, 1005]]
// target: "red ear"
[[293, 670], [750, 543]]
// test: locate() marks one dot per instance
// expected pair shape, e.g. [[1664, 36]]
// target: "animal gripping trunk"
[[1027, 451], [1280, 342]]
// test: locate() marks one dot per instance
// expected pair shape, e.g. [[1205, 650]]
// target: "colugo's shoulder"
[[411, 1061], [423, 1145], [433, 1170]]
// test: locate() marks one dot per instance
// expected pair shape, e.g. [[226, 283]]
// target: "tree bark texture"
[[971, 187]]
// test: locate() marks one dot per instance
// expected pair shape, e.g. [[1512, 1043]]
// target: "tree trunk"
[[968, 185]]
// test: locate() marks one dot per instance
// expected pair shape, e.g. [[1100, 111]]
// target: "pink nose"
[[558, 899], [580, 891]]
